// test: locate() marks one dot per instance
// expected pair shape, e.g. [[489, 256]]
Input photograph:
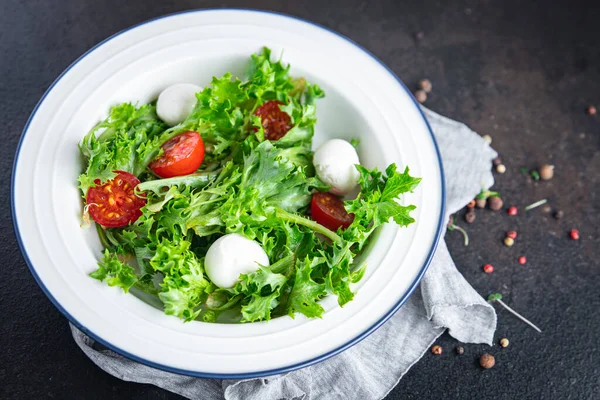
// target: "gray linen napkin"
[[370, 369]]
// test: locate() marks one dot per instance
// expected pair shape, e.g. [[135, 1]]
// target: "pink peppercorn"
[[574, 234], [511, 234], [488, 268], [522, 260], [512, 210]]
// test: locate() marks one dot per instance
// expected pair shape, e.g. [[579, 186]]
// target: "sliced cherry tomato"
[[115, 204], [182, 155], [328, 210], [275, 122]]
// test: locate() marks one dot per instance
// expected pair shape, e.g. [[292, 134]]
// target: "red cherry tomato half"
[[182, 155], [328, 210], [276, 123], [115, 204]]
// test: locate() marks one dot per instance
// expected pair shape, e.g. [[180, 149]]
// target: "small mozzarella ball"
[[232, 255], [335, 162], [176, 103]]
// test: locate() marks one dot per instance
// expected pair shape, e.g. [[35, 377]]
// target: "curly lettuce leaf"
[[306, 292], [184, 286], [115, 272], [115, 143]]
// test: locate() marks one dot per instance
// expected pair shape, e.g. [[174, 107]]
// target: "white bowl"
[[363, 99]]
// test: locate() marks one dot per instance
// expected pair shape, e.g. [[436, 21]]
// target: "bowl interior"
[[337, 117]]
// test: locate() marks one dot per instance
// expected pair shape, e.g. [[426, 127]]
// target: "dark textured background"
[[520, 71]]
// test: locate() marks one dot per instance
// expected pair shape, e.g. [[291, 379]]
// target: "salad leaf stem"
[[284, 265], [102, 236], [536, 204], [196, 180], [516, 314], [146, 288], [452, 226], [300, 220], [498, 297]]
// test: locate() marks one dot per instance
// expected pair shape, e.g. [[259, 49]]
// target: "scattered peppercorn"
[[500, 168], [509, 241], [546, 172], [488, 268], [504, 342], [522, 260], [559, 214], [471, 204], [480, 203], [460, 350], [591, 110], [512, 210], [487, 361], [511, 234], [546, 208], [425, 84], [574, 234], [470, 216], [496, 203], [487, 139], [421, 96], [497, 161], [437, 350]]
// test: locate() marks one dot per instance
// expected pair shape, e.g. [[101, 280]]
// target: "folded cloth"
[[370, 369]]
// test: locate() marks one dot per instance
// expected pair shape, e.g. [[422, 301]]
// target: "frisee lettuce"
[[246, 185]]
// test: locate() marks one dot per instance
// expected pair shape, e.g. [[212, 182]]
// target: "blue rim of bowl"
[[248, 375]]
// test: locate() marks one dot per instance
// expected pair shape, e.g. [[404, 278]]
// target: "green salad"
[[213, 200]]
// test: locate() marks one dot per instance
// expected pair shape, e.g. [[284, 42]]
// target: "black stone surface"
[[520, 71]]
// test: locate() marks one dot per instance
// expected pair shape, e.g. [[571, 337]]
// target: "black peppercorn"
[[460, 350], [559, 214]]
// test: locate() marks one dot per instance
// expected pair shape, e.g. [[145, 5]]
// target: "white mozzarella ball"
[[335, 162], [176, 103], [232, 255]]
